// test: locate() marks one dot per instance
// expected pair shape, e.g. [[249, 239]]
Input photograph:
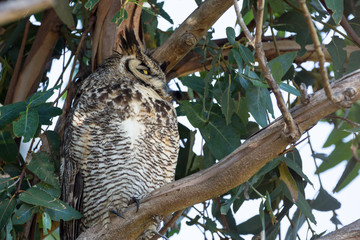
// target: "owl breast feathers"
[[121, 138]]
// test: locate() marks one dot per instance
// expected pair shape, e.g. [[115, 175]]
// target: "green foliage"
[[19, 201], [226, 103]]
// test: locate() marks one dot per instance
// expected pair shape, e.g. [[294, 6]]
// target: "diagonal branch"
[[190, 32], [232, 171]]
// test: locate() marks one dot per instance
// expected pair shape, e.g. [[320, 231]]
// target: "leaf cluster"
[[30, 188]]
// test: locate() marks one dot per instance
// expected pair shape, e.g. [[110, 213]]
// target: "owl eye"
[[144, 71]]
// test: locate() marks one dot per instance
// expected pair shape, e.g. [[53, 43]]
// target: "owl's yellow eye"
[[143, 71]]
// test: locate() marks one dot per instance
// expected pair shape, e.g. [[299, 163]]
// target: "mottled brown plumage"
[[121, 139]]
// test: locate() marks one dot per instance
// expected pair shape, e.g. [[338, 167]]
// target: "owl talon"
[[116, 213], [137, 204], [159, 234]]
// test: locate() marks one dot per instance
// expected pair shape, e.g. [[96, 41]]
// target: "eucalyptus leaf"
[[24, 213], [41, 164], [8, 148], [9, 113], [7, 206], [27, 124]]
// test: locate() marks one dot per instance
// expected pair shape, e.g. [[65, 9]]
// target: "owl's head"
[[138, 63]]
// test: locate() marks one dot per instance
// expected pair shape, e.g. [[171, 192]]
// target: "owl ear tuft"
[[129, 44]]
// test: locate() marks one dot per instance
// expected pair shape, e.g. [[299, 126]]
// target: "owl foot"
[[160, 235], [135, 200], [116, 213]]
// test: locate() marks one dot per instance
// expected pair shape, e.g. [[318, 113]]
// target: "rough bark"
[[233, 170], [348, 232], [190, 32], [14, 10]]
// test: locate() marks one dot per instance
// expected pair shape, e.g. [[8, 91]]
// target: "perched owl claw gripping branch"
[[121, 139]]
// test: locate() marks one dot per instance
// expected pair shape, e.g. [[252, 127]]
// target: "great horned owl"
[[121, 138]]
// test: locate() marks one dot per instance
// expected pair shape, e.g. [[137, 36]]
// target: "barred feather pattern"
[[120, 142]]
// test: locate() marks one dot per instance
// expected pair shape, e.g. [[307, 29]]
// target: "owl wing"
[[71, 179], [90, 105]]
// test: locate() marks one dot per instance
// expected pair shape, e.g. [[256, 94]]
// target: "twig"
[[313, 155], [293, 133], [345, 24], [344, 119], [14, 77], [69, 99], [173, 219], [319, 52]]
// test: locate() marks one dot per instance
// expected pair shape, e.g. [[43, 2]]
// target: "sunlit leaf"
[[289, 181]]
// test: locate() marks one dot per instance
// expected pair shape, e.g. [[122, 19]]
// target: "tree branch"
[[190, 32], [192, 61], [14, 10], [232, 171], [348, 232]]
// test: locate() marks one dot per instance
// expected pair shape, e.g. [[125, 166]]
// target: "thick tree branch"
[[348, 232], [233, 170], [14, 10], [192, 61], [190, 32]]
